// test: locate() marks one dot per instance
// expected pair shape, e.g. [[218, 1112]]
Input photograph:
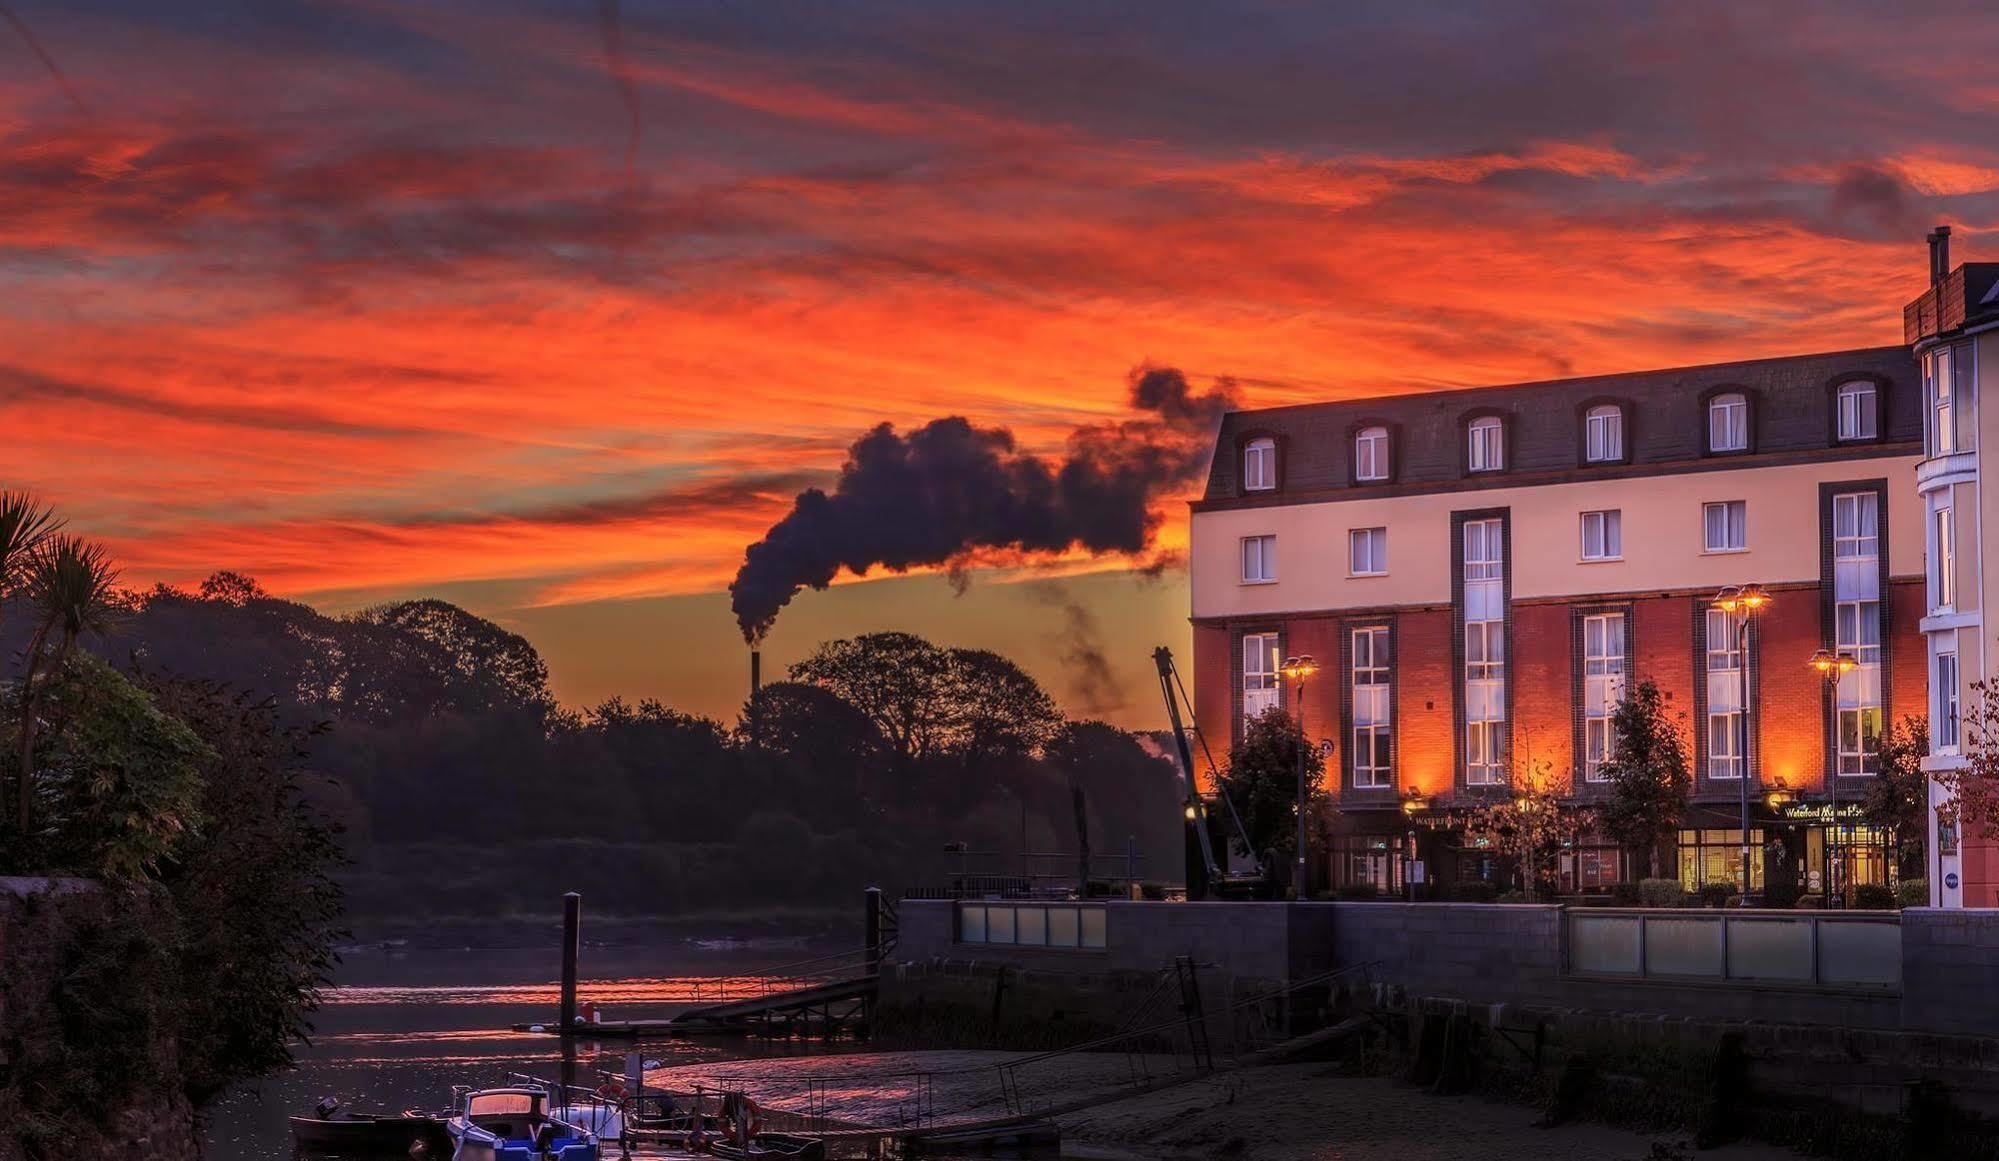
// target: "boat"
[[773, 1145], [331, 1129], [514, 1124]]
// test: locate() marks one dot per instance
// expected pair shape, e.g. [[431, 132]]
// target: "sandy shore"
[[1307, 1112], [1291, 1112]]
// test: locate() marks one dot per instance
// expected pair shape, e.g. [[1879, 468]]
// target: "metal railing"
[[783, 977], [1832, 951]]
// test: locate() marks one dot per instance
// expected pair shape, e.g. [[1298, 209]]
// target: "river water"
[[401, 1027]]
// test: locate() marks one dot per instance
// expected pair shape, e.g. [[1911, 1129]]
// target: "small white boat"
[[514, 1124]]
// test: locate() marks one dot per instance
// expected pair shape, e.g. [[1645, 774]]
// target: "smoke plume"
[[950, 489], [1093, 685]]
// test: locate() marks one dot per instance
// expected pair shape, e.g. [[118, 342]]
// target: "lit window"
[[1371, 724], [1857, 415], [1259, 559], [1260, 687], [1855, 525], [1945, 694], [1370, 454], [1726, 525], [1942, 376], [1603, 434], [1484, 761], [1603, 535], [1859, 731], [1858, 629], [1603, 687], [1943, 579], [1487, 444], [1367, 551], [1485, 652], [1484, 554], [1259, 465], [1728, 423]]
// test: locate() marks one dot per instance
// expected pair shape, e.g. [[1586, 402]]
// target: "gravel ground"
[[1307, 1112]]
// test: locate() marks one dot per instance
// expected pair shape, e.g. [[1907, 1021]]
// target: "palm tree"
[[73, 586], [25, 525]]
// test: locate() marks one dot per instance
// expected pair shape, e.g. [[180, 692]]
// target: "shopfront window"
[[1715, 856]]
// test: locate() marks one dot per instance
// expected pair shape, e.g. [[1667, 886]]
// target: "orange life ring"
[[612, 1089], [756, 1120]]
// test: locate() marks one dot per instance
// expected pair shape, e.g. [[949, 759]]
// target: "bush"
[[1715, 894], [1811, 901], [1874, 897], [1624, 895], [1659, 892], [1913, 892], [1476, 891]]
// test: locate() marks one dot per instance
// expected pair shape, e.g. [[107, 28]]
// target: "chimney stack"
[[756, 687], [1939, 255]]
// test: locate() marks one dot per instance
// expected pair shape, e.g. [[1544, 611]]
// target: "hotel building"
[[1480, 573]]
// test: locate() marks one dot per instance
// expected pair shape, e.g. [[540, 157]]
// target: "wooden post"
[[572, 946], [873, 936]]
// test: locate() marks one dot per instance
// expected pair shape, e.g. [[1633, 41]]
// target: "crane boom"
[[1174, 694]]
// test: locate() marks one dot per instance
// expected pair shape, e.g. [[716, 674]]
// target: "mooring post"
[[873, 936], [572, 946]]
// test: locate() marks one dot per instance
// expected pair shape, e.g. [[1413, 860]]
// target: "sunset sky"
[[364, 299]]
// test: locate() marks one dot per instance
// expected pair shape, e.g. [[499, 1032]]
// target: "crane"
[[1212, 878]]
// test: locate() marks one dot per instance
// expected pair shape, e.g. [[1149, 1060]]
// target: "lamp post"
[[1833, 666], [1297, 669], [1746, 600]]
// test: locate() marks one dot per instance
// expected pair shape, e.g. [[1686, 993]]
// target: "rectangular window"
[[1370, 451], [1259, 465], [1855, 524], [1724, 736], [1487, 449], [1725, 745], [1728, 423], [1943, 392], [1726, 525], [1724, 646], [1603, 435], [1943, 581], [1484, 613], [1603, 687], [1260, 681], [1856, 411], [1259, 559], [1484, 763], [1370, 693], [1857, 629], [1603, 534], [1945, 696], [1367, 551], [1859, 729], [1484, 551], [1485, 650]]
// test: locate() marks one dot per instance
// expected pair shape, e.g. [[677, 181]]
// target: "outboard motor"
[[326, 1107]]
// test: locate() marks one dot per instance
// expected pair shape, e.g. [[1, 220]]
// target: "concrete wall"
[[1950, 963]]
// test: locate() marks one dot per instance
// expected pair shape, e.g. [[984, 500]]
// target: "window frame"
[[1728, 398], [1376, 662], [1377, 540], [1946, 731], [1268, 682], [1494, 446], [1940, 402], [1599, 662], [1259, 447], [1382, 442], [1708, 547], [1266, 558], [1613, 416], [1610, 523], [1855, 388], [1943, 553]]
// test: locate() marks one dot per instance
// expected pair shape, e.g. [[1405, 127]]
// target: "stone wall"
[[1950, 961]]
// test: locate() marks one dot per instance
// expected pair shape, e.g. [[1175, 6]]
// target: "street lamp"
[[1832, 667], [1297, 669], [1746, 600]]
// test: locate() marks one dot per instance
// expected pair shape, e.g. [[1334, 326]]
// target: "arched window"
[[1485, 448], [1370, 454], [1603, 434], [1728, 423], [1259, 465], [1856, 406]]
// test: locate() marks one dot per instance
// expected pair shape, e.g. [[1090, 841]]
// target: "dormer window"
[[1259, 465], [1485, 447], [1857, 409], [1370, 454], [1603, 434], [1728, 422]]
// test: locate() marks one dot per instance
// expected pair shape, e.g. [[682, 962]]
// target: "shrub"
[[1624, 895], [1476, 891], [1715, 894], [1659, 892], [1874, 897], [1913, 892], [1811, 901]]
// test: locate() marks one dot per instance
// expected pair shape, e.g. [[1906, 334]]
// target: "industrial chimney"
[[1939, 255], [756, 687]]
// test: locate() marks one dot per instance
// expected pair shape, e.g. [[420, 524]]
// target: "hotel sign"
[[1819, 812]]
